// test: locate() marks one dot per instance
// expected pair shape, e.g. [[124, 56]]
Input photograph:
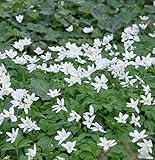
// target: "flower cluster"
[[21, 100], [61, 137], [84, 64], [5, 83]]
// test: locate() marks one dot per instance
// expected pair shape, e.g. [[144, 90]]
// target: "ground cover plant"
[[77, 80]]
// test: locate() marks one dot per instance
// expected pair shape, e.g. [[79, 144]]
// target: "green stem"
[[129, 152], [17, 153], [102, 155]]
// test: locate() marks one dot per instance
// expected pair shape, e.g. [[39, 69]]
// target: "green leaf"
[[52, 34], [115, 3], [52, 129], [24, 143], [7, 146], [44, 142], [87, 6], [36, 27], [22, 157], [150, 125], [40, 88]]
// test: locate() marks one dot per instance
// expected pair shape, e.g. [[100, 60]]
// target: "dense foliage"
[[77, 79]]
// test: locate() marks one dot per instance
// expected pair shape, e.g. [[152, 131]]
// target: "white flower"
[[56, 49], [70, 28], [144, 154], [139, 79], [128, 44], [96, 127], [91, 111], [133, 104], [62, 136], [88, 120], [137, 135], [97, 42], [43, 67], [19, 45], [18, 94], [1, 118], [108, 47], [19, 18], [89, 72], [33, 126], [20, 60], [152, 34], [11, 53], [26, 102], [106, 144], [127, 80], [144, 18], [31, 67], [46, 57], [30, 59], [74, 116], [107, 39], [100, 83], [137, 63], [54, 93], [3, 55], [32, 97], [28, 125], [122, 118], [54, 68], [73, 80], [143, 26], [146, 100], [69, 146], [146, 89], [31, 152], [146, 144], [89, 117], [130, 35], [126, 36], [153, 50], [128, 55], [59, 158], [88, 29], [134, 120], [10, 114], [26, 41], [73, 51], [25, 107], [147, 61], [12, 135], [67, 68], [60, 106], [38, 51]]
